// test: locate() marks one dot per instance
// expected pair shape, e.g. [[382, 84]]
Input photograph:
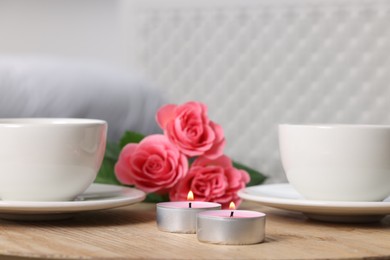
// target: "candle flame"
[[190, 195], [232, 205]]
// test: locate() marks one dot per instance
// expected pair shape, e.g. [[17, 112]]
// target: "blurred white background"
[[86, 29], [70, 58], [254, 63]]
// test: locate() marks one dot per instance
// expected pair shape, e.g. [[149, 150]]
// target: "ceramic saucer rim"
[[311, 206], [118, 197]]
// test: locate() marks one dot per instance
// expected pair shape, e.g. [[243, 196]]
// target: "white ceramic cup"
[[337, 162], [49, 159]]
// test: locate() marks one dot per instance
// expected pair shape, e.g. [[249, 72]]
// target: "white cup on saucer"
[[337, 162], [49, 159]]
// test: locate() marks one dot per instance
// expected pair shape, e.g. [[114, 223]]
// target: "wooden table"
[[131, 232]]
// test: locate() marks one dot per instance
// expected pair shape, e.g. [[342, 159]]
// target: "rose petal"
[[165, 114], [212, 180], [154, 140], [223, 161], [217, 149], [122, 173], [154, 165], [122, 167]]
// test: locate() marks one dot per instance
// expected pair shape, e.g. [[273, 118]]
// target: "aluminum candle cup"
[[178, 217], [244, 227]]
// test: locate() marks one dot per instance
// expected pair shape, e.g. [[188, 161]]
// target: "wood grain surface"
[[131, 233]]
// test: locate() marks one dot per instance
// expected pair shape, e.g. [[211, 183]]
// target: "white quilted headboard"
[[260, 63]]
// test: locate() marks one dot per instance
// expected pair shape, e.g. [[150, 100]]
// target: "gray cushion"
[[47, 87]]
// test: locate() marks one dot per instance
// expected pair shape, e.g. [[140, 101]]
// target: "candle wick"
[[190, 205], [231, 214]]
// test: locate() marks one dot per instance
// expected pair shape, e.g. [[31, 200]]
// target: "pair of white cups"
[[57, 159], [49, 159], [337, 162]]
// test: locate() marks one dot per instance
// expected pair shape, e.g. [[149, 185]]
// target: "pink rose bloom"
[[190, 129], [153, 165], [212, 180]]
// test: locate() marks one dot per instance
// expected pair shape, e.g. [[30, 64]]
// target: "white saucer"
[[283, 196], [96, 197]]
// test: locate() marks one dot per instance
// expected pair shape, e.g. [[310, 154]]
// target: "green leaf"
[[112, 151], [155, 198], [106, 173], [256, 177], [130, 137]]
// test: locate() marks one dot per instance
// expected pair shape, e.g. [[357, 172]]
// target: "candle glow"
[[190, 197], [232, 206]]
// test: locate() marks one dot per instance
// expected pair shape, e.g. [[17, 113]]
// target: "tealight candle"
[[180, 216], [231, 227]]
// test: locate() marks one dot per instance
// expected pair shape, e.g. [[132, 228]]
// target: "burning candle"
[[231, 227], [180, 216]]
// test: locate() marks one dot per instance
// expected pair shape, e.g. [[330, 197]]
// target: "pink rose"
[[189, 128], [153, 165], [212, 180]]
